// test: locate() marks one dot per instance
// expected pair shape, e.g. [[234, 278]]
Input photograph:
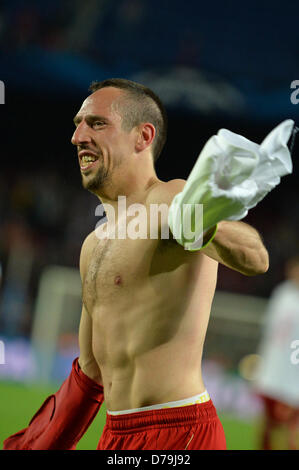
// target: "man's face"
[[101, 142]]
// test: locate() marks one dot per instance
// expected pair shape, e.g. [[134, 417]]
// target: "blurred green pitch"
[[19, 402]]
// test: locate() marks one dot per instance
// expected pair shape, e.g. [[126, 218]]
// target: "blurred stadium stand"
[[251, 56], [213, 66]]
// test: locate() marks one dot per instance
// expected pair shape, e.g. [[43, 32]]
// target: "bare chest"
[[113, 267]]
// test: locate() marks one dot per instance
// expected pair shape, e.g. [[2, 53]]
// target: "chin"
[[94, 184]]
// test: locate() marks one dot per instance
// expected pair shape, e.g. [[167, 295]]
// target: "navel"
[[117, 280]]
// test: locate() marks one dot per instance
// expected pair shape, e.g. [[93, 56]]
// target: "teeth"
[[87, 159]]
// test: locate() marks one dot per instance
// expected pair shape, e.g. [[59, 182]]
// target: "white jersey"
[[278, 375]]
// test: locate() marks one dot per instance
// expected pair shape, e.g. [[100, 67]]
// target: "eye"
[[97, 124]]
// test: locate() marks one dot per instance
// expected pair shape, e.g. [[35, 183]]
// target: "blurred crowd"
[[110, 31], [43, 222]]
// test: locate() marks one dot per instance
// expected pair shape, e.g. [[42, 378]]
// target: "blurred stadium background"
[[214, 64]]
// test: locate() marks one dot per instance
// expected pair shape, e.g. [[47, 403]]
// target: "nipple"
[[117, 280]]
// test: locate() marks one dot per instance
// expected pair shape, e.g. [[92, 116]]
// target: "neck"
[[131, 182]]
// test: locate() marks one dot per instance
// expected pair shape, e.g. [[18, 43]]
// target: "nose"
[[81, 134]]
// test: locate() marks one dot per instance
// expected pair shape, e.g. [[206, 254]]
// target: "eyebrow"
[[90, 118]]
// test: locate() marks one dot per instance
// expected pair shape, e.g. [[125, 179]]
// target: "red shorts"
[[192, 427], [278, 411]]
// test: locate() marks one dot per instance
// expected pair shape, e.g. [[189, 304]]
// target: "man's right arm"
[[87, 361]]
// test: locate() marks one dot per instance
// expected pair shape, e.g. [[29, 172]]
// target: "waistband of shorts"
[[166, 417], [199, 398]]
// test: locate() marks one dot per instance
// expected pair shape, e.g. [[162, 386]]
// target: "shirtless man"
[[146, 302]]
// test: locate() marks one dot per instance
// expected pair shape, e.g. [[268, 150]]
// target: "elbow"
[[264, 261], [260, 264]]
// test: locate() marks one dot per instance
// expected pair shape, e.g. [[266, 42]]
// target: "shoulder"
[[160, 196], [164, 192]]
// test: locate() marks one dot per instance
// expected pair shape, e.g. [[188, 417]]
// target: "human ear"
[[145, 137]]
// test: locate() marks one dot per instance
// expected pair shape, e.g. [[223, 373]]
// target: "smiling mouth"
[[87, 161]]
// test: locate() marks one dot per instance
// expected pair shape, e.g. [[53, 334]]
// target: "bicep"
[[85, 334], [87, 360]]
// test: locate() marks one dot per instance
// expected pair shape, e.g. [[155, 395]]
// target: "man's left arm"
[[231, 176], [238, 246]]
